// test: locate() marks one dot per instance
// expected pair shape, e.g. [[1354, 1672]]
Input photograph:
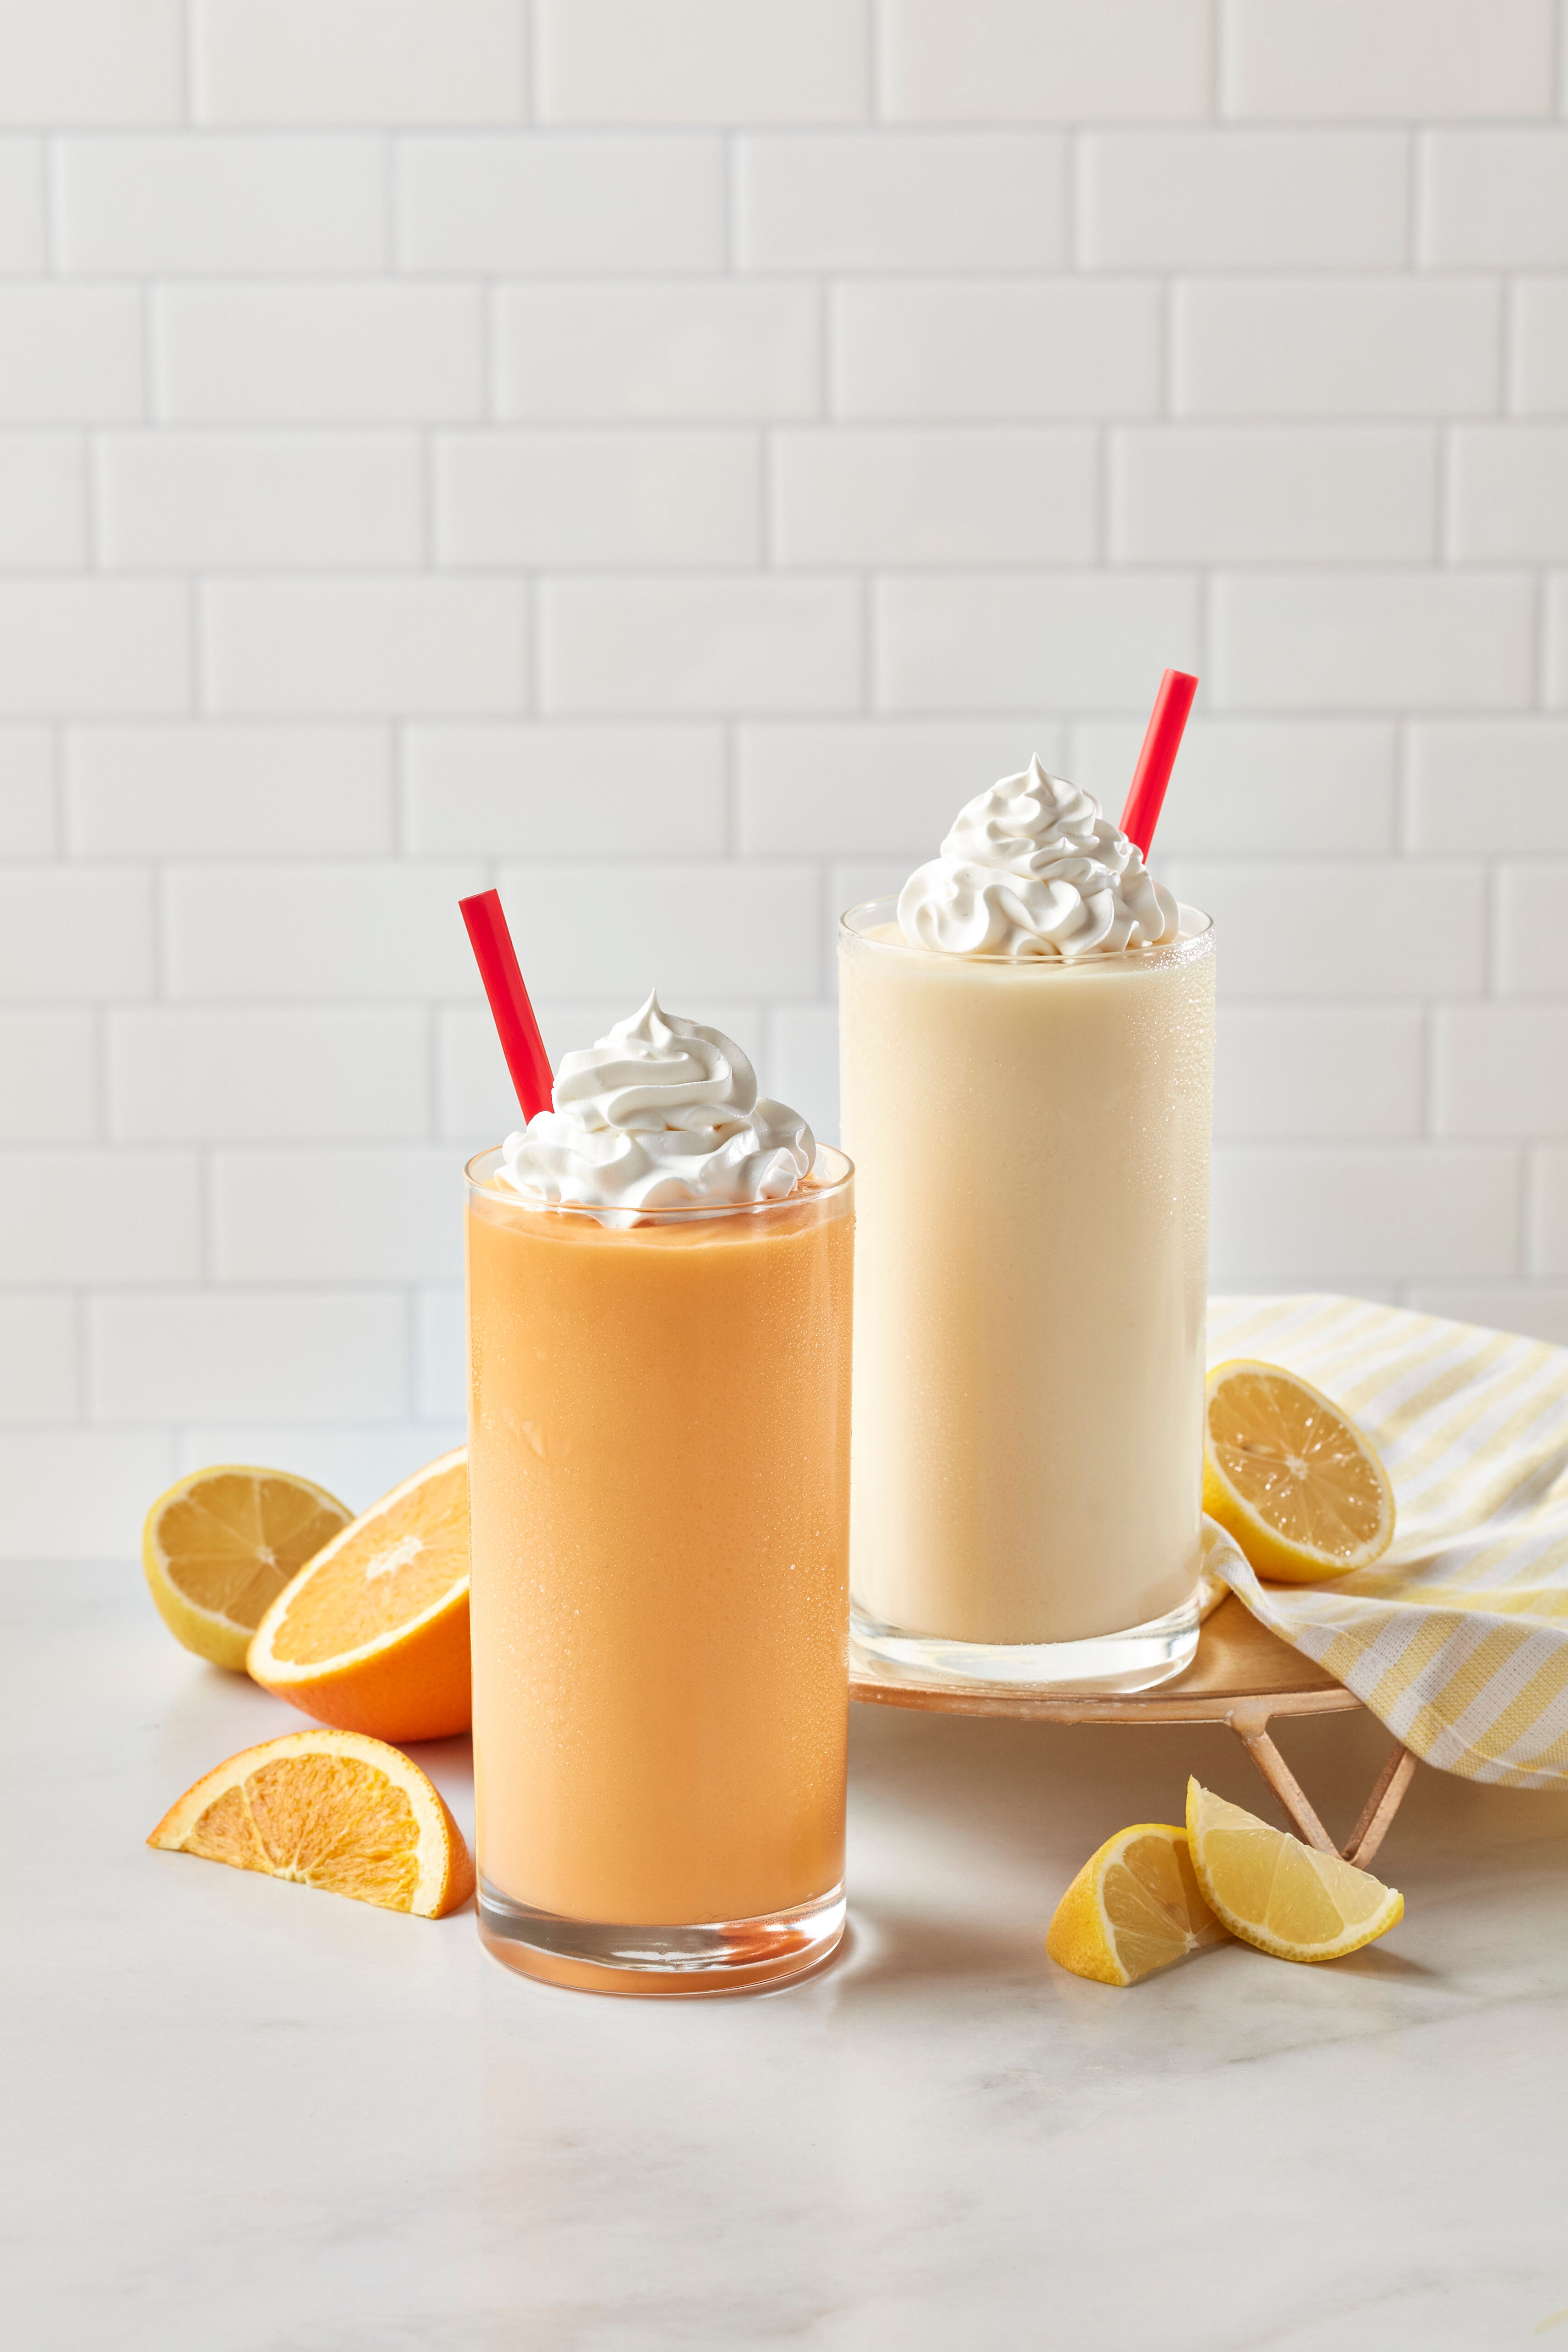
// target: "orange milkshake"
[[659, 1314]]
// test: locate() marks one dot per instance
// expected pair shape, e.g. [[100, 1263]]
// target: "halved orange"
[[220, 1546], [333, 1809], [373, 1635], [1290, 1476]]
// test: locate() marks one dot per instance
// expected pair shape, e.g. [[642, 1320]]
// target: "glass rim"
[[806, 1193], [1169, 952]]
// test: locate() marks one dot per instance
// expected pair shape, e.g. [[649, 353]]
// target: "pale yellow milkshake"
[[1027, 1043]]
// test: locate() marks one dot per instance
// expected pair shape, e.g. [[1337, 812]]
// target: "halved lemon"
[[333, 1809], [221, 1545], [1290, 1476], [373, 1635], [1135, 1906], [1272, 1891]]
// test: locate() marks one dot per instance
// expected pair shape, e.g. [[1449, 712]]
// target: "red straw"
[[520, 1039], [1158, 757]]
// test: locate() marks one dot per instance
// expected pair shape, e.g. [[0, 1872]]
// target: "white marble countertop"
[[244, 2117]]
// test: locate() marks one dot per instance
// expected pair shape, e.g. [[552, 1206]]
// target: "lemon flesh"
[[221, 1545], [1291, 1476], [1134, 1908], [1276, 1893]]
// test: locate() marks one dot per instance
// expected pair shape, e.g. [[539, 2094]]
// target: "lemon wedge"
[[1291, 1476], [1276, 1893], [1135, 1906]]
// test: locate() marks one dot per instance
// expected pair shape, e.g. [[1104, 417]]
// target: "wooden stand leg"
[[1380, 1808], [1251, 1725]]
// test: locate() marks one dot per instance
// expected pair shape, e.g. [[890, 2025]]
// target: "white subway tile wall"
[[27, 826], [662, 460]]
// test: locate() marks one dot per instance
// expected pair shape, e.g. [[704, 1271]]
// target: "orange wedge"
[[220, 1546], [328, 1809], [372, 1635]]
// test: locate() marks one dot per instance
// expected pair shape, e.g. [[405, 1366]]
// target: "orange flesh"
[[658, 1470], [401, 1564], [234, 1544], [1301, 1472], [330, 1820]]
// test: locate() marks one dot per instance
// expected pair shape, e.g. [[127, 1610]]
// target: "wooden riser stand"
[[1243, 1676]]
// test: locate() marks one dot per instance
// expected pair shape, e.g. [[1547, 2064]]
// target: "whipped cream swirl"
[[1032, 869], [661, 1114]]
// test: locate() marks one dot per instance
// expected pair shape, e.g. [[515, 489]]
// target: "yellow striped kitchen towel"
[[1459, 1637]]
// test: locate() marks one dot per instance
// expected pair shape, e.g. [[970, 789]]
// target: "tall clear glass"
[[658, 1466], [1031, 1141]]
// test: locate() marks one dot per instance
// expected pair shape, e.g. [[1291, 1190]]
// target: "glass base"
[[1107, 1664], [660, 1963]]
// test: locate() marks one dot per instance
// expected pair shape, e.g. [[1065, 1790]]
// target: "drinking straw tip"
[[520, 1042], [1162, 742]]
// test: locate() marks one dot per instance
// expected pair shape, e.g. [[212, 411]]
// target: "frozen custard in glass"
[[1028, 1049], [659, 1272]]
